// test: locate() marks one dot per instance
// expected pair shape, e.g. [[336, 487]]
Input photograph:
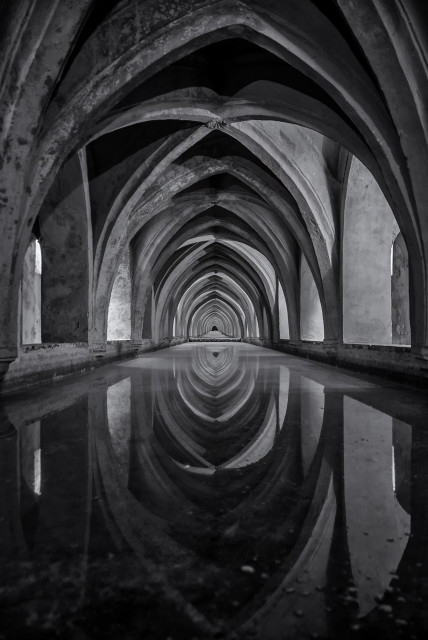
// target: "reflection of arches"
[[400, 304], [31, 295], [374, 516]]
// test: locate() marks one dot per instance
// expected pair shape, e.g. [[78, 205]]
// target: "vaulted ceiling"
[[214, 140]]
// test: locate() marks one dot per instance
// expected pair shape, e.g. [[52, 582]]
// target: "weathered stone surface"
[[65, 253]]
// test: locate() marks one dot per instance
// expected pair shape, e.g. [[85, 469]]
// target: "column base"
[[331, 346], [98, 350], [6, 359], [421, 353]]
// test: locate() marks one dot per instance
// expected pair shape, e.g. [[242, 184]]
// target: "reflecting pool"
[[214, 490]]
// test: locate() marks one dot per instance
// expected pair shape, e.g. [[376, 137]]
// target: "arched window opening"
[[400, 303], [31, 286], [119, 312], [370, 295], [311, 318], [214, 328]]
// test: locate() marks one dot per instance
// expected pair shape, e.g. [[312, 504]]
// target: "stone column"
[[311, 316], [65, 271]]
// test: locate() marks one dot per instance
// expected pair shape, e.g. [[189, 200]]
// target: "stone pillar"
[[311, 317], [284, 329], [400, 305], [119, 311], [64, 241], [275, 315], [147, 322]]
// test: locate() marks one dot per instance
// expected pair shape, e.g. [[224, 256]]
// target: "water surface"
[[214, 490]]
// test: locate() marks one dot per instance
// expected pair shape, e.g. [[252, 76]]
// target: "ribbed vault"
[[205, 150]]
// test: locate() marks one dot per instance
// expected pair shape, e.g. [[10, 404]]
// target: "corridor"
[[213, 319], [214, 490]]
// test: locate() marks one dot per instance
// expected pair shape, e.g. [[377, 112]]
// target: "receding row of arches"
[[375, 284], [214, 168]]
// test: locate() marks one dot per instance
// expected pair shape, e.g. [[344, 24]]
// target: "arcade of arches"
[[254, 166], [205, 204]]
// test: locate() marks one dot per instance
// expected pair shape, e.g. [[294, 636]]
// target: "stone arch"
[[235, 15], [231, 229]]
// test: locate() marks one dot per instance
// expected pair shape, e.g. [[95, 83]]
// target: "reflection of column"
[[291, 433], [30, 455], [312, 523], [413, 569], [65, 497], [12, 544], [312, 412], [143, 398], [377, 525], [283, 392], [339, 574], [402, 448], [119, 423], [410, 588]]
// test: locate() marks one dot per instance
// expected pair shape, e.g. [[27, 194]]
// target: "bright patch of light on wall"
[[38, 471], [393, 469], [38, 258]]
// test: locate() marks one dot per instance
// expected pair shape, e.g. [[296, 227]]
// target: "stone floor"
[[214, 490]]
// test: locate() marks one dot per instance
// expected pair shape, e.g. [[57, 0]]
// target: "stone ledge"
[[391, 348], [51, 361], [26, 348], [390, 361]]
